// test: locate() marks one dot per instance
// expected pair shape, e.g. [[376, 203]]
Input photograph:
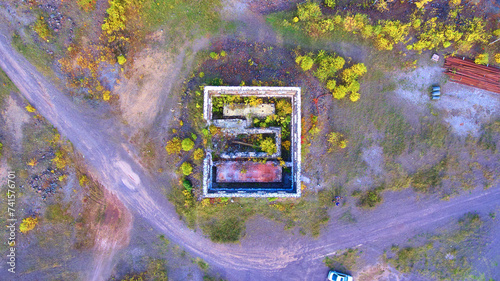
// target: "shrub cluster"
[[326, 68], [385, 34]]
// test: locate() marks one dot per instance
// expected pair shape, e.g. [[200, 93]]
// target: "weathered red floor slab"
[[248, 171]]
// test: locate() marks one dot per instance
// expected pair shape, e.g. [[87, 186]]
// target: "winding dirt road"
[[260, 256]]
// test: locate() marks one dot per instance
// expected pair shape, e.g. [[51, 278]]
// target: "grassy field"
[[178, 16], [6, 87], [47, 188], [347, 261], [33, 53], [381, 119], [224, 220], [446, 255]]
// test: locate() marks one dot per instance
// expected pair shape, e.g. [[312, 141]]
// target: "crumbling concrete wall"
[[294, 93]]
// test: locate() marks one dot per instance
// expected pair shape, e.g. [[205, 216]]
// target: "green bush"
[[155, 270], [370, 199], [328, 66], [395, 140], [487, 138], [330, 84], [426, 179], [346, 261], [305, 62], [214, 55], [187, 184], [268, 146], [217, 82], [226, 230], [331, 3], [57, 213], [482, 59], [186, 169], [42, 29], [187, 144], [309, 11], [1, 147]]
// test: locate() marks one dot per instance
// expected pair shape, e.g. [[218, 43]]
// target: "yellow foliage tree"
[[482, 59], [42, 29], [284, 107], [354, 97], [83, 180], [174, 146], [32, 162], [339, 92], [268, 146], [28, 224], [330, 84], [305, 62], [382, 5], [121, 60], [420, 4], [60, 159], [497, 58], [286, 145], [336, 140], [198, 154], [30, 108], [186, 168], [106, 95], [116, 17]]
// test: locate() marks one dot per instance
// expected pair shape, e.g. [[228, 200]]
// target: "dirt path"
[[112, 234], [262, 256]]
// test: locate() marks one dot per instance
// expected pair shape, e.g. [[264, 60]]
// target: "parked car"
[[337, 276]]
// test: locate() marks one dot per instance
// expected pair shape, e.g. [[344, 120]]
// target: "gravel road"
[[277, 255]]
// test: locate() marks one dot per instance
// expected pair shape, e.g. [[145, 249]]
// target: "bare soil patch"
[[15, 117], [111, 234], [464, 108], [154, 76], [140, 95], [379, 272], [373, 157]]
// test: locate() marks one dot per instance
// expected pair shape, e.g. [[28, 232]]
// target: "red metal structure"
[[465, 71]]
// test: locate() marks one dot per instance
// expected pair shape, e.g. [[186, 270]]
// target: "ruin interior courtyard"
[[255, 142]]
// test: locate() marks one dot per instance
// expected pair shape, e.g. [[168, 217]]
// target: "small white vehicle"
[[337, 276]]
